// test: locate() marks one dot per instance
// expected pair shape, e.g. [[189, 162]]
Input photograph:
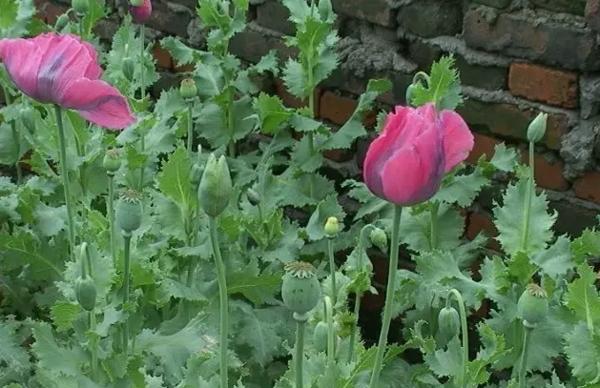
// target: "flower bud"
[[85, 292], [195, 175], [537, 128], [300, 289], [112, 160], [332, 227], [215, 186], [325, 9], [449, 322], [128, 212], [136, 3], [253, 197], [188, 89], [533, 304], [320, 337], [128, 68], [81, 7], [61, 22], [379, 239], [28, 118]]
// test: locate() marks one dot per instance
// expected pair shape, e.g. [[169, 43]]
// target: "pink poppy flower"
[[63, 70], [140, 11], [406, 163]]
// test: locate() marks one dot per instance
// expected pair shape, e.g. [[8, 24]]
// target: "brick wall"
[[516, 57]]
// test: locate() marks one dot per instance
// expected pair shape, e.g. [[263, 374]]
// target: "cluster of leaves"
[[173, 312]]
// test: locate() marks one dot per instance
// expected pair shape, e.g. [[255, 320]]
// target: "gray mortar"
[[473, 57], [196, 34], [577, 148]]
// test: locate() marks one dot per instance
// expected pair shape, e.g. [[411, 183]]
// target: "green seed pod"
[[195, 175], [85, 292], [449, 322], [128, 212], [533, 304], [253, 197], [537, 128], [128, 68], [320, 337], [332, 227], [28, 118], [300, 289], [215, 186], [81, 7], [61, 22], [409, 94], [188, 89], [112, 160], [379, 239]]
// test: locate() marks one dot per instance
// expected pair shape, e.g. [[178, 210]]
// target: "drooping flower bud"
[[300, 289], [128, 68], [537, 128], [85, 292], [379, 239], [409, 94], [128, 212], [28, 118], [61, 22], [533, 304], [188, 89], [81, 7], [332, 227], [320, 337], [112, 160], [449, 322], [253, 197], [215, 186]]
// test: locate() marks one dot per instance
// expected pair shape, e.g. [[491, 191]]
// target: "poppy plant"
[[140, 11], [417, 146], [63, 70]]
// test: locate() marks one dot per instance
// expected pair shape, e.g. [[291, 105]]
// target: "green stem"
[[126, 276], [524, 354], [80, 22], [230, 124], [433, 211], [464, 329], [299, 358], [332, 269], [422, 76], [190, 130], [529, 198], [111, 216], [142, 96], [330, 332], [93, 344], [15, 133], [81, 152], [64, 172], [389, 297], [311, 107], [223, 301]]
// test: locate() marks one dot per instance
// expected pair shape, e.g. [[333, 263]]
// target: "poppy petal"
[[458, 139]]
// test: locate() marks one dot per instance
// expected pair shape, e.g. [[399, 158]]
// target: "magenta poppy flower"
[[63, 70], [406, 163], [140, 11]]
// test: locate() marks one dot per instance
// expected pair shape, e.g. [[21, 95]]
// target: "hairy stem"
[[93, 344], [389, 297], [64, 173], [111, 216], [190, 130], [332, 269], [330, 332], [464, 332], [299, 357], [524, 354], [126, 276], [528, 199], [142, 96]]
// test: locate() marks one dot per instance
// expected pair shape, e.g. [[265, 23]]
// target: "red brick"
[[294, 102], [187, 68], [482, 222], [53, 11], [337, 109], [592, 14], [539, 83], [484, 145], [547, 175], [162, 56], [588, 187]]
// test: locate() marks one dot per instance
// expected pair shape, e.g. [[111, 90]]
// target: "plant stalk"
[[126, 276], [528, 198], [142, 96], [223, 301], [93, 344], [464, 329], [111, 216], [330, 332], [299, 358], [524, 354], [332, 270], [311, 107], [190, 130], [389, 297], [64, 172]]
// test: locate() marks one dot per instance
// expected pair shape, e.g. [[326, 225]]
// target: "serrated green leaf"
[[583, 297], [415, 229], [299, 10], [181, 53], [258, 288], [10, 8], [329, 207], [271, 112], [209, 79], [52, 357], [504, 159], [588, 244], [583, 353], [462, 189], [64, 314], [444, 86], [448, 362], [294, 79], [12, 353], [174, 180], [556, 260]]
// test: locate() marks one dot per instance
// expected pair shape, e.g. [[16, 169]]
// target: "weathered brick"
[[576, 7], [483, 145], [482, 222], [52, 12], [539, 83], [166, 81], [592, 14], [294, 102], [588, 187], [274, 15], [162, 56], [192, 4], [429, 18], [168, 20], [590, 90], [485, 77], [550, 43], [573, 218], [548, 175], [374, 11], [337, 109], [494, 3], [249, 45], [423, 54], [510, 121]]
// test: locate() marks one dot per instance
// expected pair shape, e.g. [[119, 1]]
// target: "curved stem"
[[64, 173], [126, 276], [223, 300], [528, 198], [330, 331], [111, 216], [299, 358], [524, 354], [389, 297], [422, 76], [190, 130], [464, 329], [332, 269], [433, 211]]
